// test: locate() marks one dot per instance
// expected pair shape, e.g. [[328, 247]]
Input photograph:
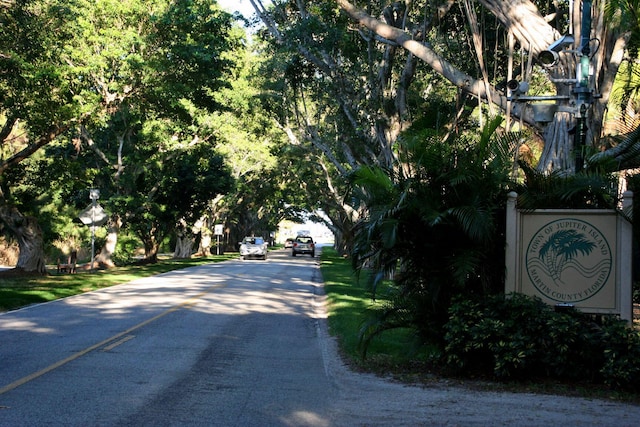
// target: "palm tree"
[[433, 226], [625, 147]]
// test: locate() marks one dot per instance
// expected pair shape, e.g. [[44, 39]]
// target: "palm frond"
[[475, 221], [625, 154]]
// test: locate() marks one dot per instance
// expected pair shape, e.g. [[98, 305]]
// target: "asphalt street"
[[226, 344], [239, 343]]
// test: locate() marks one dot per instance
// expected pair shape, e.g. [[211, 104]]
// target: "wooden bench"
[[70, 265]]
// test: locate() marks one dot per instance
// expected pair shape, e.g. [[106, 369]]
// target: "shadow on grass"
[[19, 290]]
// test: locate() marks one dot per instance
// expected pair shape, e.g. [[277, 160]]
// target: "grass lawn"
[[349, 305], [394, 353], [16, 292]]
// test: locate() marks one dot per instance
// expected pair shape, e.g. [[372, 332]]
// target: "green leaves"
[[523, 338], [139, 81], [193, 47], [432, 225], [590, 189]]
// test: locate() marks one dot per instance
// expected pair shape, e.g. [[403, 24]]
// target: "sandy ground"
[[366, 400]]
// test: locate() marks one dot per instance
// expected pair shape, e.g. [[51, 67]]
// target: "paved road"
[[231, 344], [240, 343]]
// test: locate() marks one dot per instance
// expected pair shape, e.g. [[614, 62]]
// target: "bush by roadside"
[[522, 338], [517, 342]]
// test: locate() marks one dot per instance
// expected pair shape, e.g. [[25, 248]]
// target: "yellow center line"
[[119, 342], [81, 353]]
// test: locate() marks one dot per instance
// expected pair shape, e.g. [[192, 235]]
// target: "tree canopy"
[[145, 99], [126, 84]]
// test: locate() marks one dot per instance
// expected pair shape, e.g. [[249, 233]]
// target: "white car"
[[253, 247], [303, 245]]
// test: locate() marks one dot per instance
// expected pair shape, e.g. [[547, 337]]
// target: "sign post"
[[218, 230], [94, 194], [94, 216]]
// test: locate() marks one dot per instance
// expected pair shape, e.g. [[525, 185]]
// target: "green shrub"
[[504, 338], [125, 249], [621, 350], [523, 338], [435, 228]]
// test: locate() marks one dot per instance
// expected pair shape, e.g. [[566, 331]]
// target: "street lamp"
[[94, 194]]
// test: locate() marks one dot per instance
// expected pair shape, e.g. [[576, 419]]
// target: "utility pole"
[[584, 97], [581, 98]]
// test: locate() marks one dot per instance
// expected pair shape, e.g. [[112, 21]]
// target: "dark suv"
[[303, 245]]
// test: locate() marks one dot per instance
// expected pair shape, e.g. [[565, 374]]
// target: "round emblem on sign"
[[568, 260]]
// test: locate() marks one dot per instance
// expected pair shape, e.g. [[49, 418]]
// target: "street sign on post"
[[93, 214], [218, 230]]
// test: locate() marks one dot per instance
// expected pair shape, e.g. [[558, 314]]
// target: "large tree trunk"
[[103, 259], [558, 153], [205, 242], [343, 236], [184, 242], [151, 245], [184, 246], [151, 248], [29, 236]]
